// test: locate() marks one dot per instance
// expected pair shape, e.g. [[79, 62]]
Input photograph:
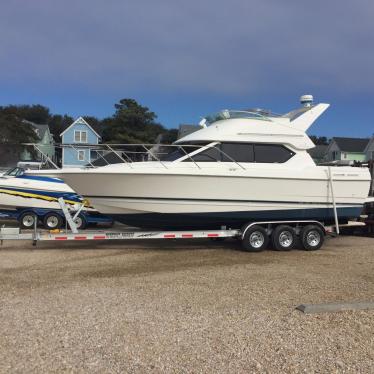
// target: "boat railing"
[[96, 155]]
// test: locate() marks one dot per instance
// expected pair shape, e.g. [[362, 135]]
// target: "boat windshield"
[[14, 172], [228, 114]]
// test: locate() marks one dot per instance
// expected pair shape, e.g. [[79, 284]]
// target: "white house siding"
[[46, 146], [333, 147]]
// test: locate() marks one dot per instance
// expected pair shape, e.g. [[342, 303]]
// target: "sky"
[[186, 59]]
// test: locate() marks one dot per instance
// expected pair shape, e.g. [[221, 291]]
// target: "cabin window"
[[81, 155], [239, 152], [225, 152], [80, 136], [209, 155], [272, 153], [174, 153]]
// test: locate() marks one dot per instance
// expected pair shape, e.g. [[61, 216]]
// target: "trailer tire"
[[52, 221], [283, 238], [312, 237], [255, 239], [81, 222], [27, 220]]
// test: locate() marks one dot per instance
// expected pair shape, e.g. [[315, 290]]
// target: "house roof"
[[185, 129], [319, 151], [80, 120], [352, 144], [370, 142], [39, 129]]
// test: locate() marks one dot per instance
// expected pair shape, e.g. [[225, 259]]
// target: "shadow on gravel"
[[173, 262], [112, 262]]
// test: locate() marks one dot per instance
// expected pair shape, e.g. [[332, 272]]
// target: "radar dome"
[[306, 100]]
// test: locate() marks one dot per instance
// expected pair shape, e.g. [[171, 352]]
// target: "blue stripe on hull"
[[233, 219], [55, 194], [41, 178]]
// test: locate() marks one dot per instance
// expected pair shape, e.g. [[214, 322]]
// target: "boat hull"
[[180, 199], [232, 219]]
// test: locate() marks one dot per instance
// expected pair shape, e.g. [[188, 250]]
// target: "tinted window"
[[174, 153], [272, 153], [240, 152], [209, 155]]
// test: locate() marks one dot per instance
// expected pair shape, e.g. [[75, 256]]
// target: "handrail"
[[124, 154], [76, 150], [114, 151], [331, 184], [45, 155], [189, 156], [151, 153]]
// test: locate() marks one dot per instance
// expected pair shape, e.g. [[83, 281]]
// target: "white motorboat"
[[241, 166]]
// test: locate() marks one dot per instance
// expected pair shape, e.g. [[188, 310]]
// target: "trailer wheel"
[[312, 237], [255, 239], [283, 238], [81, 222], [27, 220], [52, 221]]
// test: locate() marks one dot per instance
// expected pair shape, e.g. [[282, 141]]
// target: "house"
[[45, 143], [369, 150], [347, 149], [318, 153], [79, 141]]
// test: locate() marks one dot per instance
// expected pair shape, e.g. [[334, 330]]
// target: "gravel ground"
[[183, 307]]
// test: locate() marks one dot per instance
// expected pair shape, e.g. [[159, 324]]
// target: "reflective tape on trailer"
[[61, 238], [123, 235], [99, 237]]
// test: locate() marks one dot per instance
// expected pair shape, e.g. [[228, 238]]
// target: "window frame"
[[190, 157], [291, 153], [223, 153], [80, 132], [80, 152]]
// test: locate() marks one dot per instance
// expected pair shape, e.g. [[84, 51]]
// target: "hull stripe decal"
[[221, 200], [22, 193]]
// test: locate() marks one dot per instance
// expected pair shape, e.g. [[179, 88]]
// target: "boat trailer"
[[254, 236]]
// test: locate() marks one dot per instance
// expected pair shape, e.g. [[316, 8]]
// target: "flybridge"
[[300, 119], [231, 114]]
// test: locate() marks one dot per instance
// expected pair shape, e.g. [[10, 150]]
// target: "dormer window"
[[80, 136]]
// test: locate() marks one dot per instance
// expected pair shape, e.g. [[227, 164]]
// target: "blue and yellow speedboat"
[[19, 191]]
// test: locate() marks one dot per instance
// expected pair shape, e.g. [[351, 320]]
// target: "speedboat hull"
[[35, 192]]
